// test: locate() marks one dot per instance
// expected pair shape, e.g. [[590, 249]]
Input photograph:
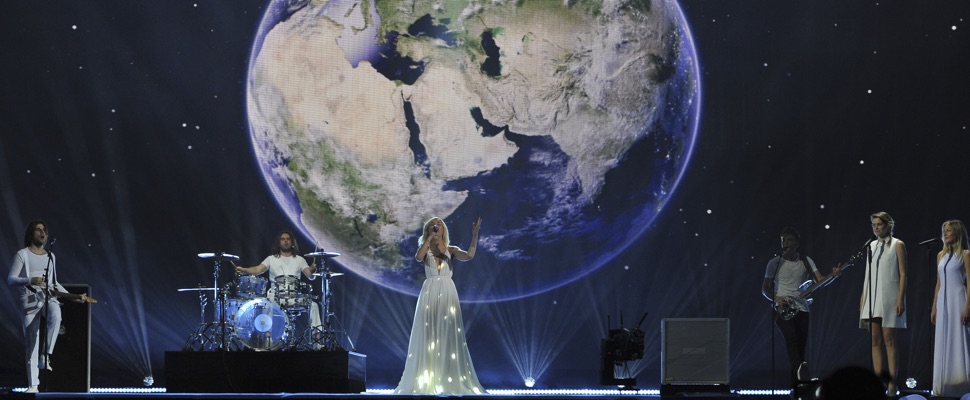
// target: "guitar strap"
[[774, 275], [808, 268]]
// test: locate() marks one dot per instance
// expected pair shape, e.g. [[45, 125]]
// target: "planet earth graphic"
[[565, 125]]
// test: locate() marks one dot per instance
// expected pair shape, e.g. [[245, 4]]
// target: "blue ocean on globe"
[[565, 125]]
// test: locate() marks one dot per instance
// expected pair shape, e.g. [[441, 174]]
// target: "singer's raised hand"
[[476, 226]]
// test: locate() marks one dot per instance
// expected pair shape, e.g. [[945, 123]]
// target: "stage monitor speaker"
[[695, 351], [71, 359]]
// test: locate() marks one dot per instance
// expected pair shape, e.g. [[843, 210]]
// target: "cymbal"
[[194, 289], [219, 256], [324, 273], [324, 254]]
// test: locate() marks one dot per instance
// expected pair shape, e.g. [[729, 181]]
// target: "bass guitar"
[[787, 309]]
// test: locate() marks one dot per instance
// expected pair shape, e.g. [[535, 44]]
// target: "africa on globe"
[[565, 125]]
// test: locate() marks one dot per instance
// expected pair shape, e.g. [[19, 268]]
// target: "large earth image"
[[565, 125]]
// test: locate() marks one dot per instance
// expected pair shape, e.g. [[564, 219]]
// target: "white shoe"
[[31, 389]]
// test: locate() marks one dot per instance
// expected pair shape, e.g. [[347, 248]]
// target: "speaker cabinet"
[[71, 359], [695, 351]]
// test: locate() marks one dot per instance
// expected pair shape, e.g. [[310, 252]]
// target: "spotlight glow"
[[530, 382], [911, 382]]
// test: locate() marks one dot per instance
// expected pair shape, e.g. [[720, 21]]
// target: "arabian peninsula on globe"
[[564, 125]]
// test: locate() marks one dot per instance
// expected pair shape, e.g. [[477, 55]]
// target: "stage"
[[593, 394], [343, 375]]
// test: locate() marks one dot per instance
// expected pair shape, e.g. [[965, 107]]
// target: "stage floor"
[[367, 396], [592, 395]]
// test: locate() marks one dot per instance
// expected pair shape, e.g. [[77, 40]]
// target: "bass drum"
[[262, 325]]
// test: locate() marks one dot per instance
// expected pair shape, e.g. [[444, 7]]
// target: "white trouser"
[[32, 334]]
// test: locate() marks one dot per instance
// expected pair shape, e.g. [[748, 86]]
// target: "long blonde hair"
[[427, 231], [961, 231]]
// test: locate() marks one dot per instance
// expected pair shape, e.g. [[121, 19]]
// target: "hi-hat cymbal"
[[324, 254], [195, 289], [326, 273], [219, 256]]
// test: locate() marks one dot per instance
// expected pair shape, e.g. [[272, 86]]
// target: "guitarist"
[[38, 296], [783, 276]]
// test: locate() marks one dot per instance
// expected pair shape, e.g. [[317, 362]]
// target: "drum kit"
[[251, 314]]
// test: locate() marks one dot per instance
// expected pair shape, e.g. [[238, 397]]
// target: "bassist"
[[783, 276]]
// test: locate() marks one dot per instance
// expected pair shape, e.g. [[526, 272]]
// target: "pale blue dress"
[[951, 358], [438, 361]]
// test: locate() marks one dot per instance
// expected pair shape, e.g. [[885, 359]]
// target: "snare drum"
[[291, 293], [251, 287], [262, 325]]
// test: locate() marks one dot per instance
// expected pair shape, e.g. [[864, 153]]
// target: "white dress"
[[885, 291], [951, 359], [438, 361]]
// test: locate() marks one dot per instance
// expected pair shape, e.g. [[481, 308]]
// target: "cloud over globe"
[[564, 125]]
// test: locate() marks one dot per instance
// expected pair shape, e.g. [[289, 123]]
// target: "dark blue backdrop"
[[122, 124]]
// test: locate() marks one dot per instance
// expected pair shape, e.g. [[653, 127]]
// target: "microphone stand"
[[870, 296], [929, 265], [45, 313], [771, 326]]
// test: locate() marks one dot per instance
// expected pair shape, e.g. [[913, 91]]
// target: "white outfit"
[[884, 271], [289, 266], [28, 265], [284, 265], [951, 351], [438, 361]]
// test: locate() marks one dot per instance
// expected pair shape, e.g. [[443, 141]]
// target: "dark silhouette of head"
[[852, 383]]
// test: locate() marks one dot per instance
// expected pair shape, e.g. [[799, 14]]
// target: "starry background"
[[123, 126]]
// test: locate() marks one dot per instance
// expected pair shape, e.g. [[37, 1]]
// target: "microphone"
[[929, 241], [435, 228], [52, 241], [641, 320], [868, 249]]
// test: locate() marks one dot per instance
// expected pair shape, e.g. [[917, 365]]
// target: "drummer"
[[285, 260]]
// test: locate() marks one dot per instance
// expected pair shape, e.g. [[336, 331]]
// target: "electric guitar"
[[787, 310], [34, 300]]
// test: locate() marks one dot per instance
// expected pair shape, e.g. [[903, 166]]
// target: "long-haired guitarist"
[[783, 277], [33, 272]]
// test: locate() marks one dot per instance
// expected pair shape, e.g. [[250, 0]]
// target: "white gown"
[[951, 359], [438, 361]]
